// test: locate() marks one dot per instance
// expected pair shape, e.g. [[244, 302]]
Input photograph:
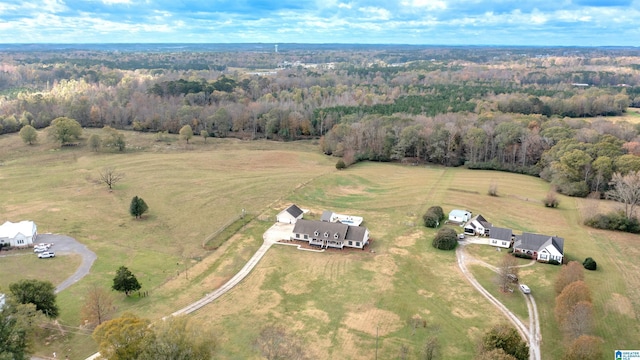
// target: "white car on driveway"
[[525, 289], [46, 254]]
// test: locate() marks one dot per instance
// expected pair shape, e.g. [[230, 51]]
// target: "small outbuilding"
[[21, 234], [290, 215], [459, 216]]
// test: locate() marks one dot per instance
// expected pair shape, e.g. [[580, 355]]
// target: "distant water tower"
[[276, 47]]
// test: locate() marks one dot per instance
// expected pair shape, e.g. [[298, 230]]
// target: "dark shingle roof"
[[344, 231], [294, 210], [537, 242], [499, 233], [326, 215]]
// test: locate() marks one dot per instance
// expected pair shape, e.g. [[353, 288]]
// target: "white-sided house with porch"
[[290, 215], [500, 237], [477, 226], [20, 234], [540, 247], [330, 234], [459, 216]]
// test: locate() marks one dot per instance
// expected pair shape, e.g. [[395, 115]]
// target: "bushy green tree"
[[37, 292], [186, 133], [94, 142], [340, 165], [125, 281], [590, 264], [113, 139], [29, 134], [507, 338], [433, 217], [138, 207], [65, 130], [174, 339], [122, 338], [445, 239]]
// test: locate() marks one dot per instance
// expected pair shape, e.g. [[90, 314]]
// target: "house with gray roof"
[[501, 237], [330, 234], [540, 247]]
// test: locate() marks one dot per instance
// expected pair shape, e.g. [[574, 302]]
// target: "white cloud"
[[425, 4], [112, 2], [376, 13]]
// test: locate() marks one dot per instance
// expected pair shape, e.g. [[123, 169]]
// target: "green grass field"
[[336, 301]]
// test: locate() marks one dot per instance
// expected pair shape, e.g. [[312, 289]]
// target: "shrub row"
[[614, 221]]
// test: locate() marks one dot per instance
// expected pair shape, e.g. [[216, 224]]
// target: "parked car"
[[47, 254], [525, 289], [512, 277], [461, 236], [39, 249]]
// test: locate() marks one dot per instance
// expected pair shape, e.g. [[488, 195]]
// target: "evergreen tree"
[[138, 207], [125, 281]]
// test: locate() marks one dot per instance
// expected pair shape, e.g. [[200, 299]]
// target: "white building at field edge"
[[21, 234]]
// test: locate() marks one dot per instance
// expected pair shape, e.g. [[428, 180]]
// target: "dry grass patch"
[[425, 293], [408, 240], [317, 314], [350, 190], [401, 252], [621, 305], [297, 283], [463, 313], [373, 320]]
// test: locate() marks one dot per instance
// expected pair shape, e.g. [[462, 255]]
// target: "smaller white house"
[[477, 226], [500, 237], [290, 215], [21, 234], [459, 216]]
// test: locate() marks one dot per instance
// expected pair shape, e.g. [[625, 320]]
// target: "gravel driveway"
[[63, 244]]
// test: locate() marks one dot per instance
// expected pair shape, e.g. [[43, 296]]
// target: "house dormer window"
[[335, 236], [326, 234], [316, 233]]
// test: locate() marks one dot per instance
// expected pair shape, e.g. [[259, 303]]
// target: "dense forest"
[[557, 113]]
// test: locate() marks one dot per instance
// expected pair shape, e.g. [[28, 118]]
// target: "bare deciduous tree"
[[579, 321], [569, 273], [110, 176], [626, 189], [507, 271], [98, 306], [430, 349], [274, 342]]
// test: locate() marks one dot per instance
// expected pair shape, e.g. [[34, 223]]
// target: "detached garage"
[[20, 234], [290, 215]]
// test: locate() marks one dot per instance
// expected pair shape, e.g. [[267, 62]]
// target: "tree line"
[[438, 105]]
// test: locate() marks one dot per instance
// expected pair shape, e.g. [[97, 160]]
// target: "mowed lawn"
[[341, 303]]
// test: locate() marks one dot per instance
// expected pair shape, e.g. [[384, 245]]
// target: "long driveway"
[[276, 232], [531, 333]]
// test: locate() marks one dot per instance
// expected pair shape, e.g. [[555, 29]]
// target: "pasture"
[[394, 294]]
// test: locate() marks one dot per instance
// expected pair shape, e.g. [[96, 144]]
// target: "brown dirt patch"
[[620, 304], [407, 240], [368, 321]]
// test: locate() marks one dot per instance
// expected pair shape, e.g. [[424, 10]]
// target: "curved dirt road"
[[275, 233], [531, 333]]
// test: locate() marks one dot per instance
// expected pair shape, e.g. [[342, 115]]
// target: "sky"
[[420, 22]]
